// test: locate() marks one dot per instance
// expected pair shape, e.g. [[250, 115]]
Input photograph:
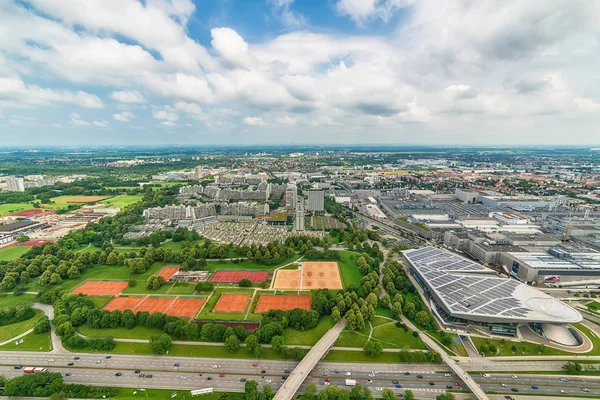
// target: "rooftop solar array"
[[469, 290]]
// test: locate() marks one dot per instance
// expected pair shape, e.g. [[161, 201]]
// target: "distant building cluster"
[[19, 184], [180, 212], [244, 208]]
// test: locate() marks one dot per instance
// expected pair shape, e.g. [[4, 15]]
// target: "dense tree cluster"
[[298, 319], [48, 384], [15, 314], [332, 392], [356, 310]]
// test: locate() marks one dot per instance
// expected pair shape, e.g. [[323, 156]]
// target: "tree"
[[388, 394], [310, 391], [445, 396], [385, 300], [422, 318], [572, 367], [160, 344], [245, 283], [42, 326], [410, 309], [335, 314], [252, 343], [251, 390], [373, 348], [73, 272], [112, 258], [232, 343], [396, 310], [409, 395], [278, 343]]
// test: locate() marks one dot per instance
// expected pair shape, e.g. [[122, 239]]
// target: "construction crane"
[[567, 227]]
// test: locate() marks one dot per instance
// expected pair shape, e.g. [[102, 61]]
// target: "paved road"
[[308, 363]]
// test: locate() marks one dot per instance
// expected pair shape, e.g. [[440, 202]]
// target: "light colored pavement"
[[288, 390]]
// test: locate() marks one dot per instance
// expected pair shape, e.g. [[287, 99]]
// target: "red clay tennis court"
[[185, 307], [100, 288], [123, 303], [168, 272], [36, 212], [155, 304], [222, 276], [231, 303], [271, 302]]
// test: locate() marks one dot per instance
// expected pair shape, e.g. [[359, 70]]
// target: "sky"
[[244, 72]]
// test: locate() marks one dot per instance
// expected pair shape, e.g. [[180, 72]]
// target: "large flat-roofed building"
[[19, 226], [464, 292], [556, 266], [316, 201], [15, 184]]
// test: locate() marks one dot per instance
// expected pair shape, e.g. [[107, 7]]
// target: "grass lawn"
[[392, 336], [67, 199], [31, 342], [454, 346], [137, 332], [10, 300], [594, 305], [311, 336], [523, 348], [100, 301], [213, 265], [123, 200], [593, 337], [13, 252], [380, 321], [360, 356], [183, 288], [207, 310], [351, 339], [165, 394], [384, 312], [349, 268], [140, 288], [188, 350], [12, 330], [14, 207]]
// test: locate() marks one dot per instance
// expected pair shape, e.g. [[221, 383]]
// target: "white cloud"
[[286, 120], [128, 96], [125, 116], [289, 18], [169, 123], [165, 115], [254, 121], [360, 11], [15, 90], [102, 124]]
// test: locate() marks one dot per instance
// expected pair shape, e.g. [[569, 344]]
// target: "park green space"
[[523, 348], [31, 342], [454, 347], [137, 332], [140, 288], [116, 249], [123, 200], [349, 268], [83, 199], [360, 356], [100, 301], [13, 252], [351, 339], [11, 300], [10, 208], [380, 321], [165, 394], [593, 337], [310, 336], [383, 311], [182, 288], [214, 298], [392, 336], [594, 305], [10, 331]]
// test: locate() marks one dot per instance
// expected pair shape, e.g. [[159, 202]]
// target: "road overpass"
[[302, 371]]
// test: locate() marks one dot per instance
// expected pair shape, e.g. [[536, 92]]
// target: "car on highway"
[[420, 376], [182, 377], [137, 371], [141, 375], [486, 375], [336, 371], [51, 360], [327, 380], [209, 378], [76, 358], [221, 375], [323, 373], [175, 368], [563, 391], [262, 371], [446, 374], [395, 381], [448, 386], [67, 374], [176, 365], [564, 380], [585, 389], [268, 381], [504, 385], [327, 383], [514, 377], [284, 377], [514, 389], [98, 361], [215, 366], [369, 381], [371, 375], [18, 366], [118, 374], [431, 383], [242, 379], [378, 389], [70, 364], [108, 356], [398, 385], [456, 383], [148, 376], [348, 373], [535, 387], [286, 371], [254, 364]]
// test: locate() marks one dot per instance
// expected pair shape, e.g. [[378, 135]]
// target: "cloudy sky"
[[299, 71]]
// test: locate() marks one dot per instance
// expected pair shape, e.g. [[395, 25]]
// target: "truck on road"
[[351, 382], [34, 370]]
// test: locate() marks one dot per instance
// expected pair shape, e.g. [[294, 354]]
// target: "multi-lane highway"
[[98, 370]]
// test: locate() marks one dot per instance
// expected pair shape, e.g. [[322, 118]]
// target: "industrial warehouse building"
[[465, 293]]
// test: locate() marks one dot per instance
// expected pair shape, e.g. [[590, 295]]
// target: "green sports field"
[[123, 200], [13, 252], [10, 208]]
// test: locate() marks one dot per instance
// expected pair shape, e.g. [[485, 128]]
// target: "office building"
[[291, 194], [316, 201], [299, 221]]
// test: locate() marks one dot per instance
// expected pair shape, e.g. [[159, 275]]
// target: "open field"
[[31, 342], [182, 288], [271, 302], [165, 394], [10, 208], [140, 288], [522, 348], [309, 337], [10, 300], [214, 265], [351, 339], [123, 200], [13, 252], [137, 332], [360, 356], [232, 303], [392, 336], [100, 288], [12, 330], [349, 268], [77, 199]]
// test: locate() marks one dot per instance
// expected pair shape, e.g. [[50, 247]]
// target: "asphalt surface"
[[97, 370]]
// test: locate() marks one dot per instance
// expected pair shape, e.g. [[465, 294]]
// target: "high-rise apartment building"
[[14, 184], [316, 201], [299, 221]]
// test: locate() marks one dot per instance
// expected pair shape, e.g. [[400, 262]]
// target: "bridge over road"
[[288, 390]]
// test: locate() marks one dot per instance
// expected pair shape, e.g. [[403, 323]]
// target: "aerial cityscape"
[[293, 199]]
